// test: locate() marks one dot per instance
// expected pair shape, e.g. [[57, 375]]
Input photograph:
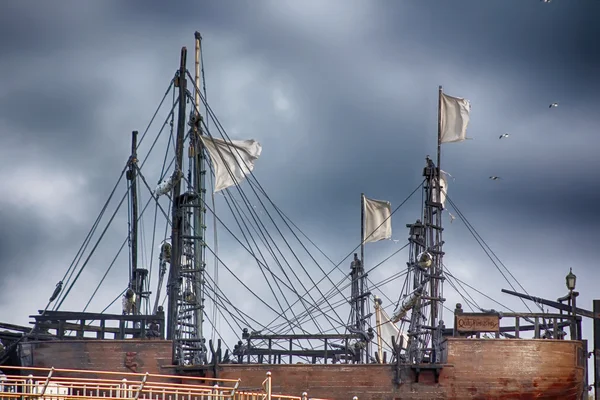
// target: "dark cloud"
[[343, 99]]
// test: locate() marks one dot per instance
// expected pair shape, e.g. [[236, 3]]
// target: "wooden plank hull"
[[476, 369]]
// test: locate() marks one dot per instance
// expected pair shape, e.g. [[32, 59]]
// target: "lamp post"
[[571, 280]]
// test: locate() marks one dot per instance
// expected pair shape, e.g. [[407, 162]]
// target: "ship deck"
[[475, 369]]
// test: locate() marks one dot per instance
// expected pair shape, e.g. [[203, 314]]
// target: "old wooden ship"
[[411, 355]]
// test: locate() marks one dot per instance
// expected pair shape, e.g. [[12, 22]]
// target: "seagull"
[[546, 1], [553, 105], [494, 178], [504, 135], [452, 217]]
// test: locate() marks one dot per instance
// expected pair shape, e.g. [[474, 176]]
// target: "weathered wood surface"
[[476, 369]]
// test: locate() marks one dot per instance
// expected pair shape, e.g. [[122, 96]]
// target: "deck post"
[[596, 311]]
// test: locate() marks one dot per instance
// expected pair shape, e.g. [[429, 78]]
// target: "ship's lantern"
[[425, 260], [571, 280]]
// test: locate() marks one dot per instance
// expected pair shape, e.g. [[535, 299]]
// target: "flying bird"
[[452, 217], [553, 105], [546, 1], [494, 178], [504, 135]]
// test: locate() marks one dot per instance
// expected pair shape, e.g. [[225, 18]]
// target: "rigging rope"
[[226, 138], [263, 232], [127, 239], [485, 248], [233, 202], [353, 250], [79, 255]]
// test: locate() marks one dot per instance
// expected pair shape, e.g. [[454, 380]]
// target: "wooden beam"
[[555, 304], [306, 337]]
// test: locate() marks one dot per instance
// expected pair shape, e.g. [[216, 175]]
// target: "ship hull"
[[475, 369]]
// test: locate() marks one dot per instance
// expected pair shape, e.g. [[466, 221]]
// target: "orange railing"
[[61, 384]]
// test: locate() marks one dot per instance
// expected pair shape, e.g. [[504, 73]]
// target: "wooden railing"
[[543, 325], [99, 325], [281, 349], [68, 384]]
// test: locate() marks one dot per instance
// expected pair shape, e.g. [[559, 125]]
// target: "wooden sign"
[[477, 323]]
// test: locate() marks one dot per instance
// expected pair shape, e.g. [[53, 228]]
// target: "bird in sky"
[[504, 135], [494, 178], [546, 1], [553, 105], [452, 217]]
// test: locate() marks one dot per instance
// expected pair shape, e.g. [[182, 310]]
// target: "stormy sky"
[[342, 95]]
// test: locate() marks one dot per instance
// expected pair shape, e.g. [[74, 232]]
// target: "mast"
[[362, 228], [358, 294], [138, 276], [439, 136], [199, 168], [188, 266], [174, 271], [426, 268]]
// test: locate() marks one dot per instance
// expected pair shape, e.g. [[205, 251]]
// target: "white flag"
[[454, 118], [378, 221], [443, 191], [231, 160]]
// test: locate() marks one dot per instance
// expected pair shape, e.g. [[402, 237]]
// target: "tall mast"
[[188, 235], [199, 210], [362, 228], [439, 136], [174, 271], [138, 276], [358, 294], [426, 268]]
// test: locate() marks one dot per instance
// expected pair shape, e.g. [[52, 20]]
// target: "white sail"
[[385, 330], [231, 160]]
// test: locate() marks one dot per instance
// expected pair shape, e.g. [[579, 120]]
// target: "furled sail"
[[385, 330]]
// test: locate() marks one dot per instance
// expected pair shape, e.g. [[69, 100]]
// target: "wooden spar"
[[557, 305], [198, 212], [596, 353], [175, 214], [439, 141], [134, 281], [362, 228], [378, 325]]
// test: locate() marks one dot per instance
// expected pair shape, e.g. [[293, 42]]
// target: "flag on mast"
[[454, 118], [377, 220], [232, 160], [443, 183]]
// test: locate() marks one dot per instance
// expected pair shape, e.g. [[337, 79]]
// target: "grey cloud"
[[366, 105]]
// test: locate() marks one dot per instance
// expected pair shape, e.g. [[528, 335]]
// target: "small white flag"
[[232, 160], [378, 221], [454, 119], [444, 189]]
